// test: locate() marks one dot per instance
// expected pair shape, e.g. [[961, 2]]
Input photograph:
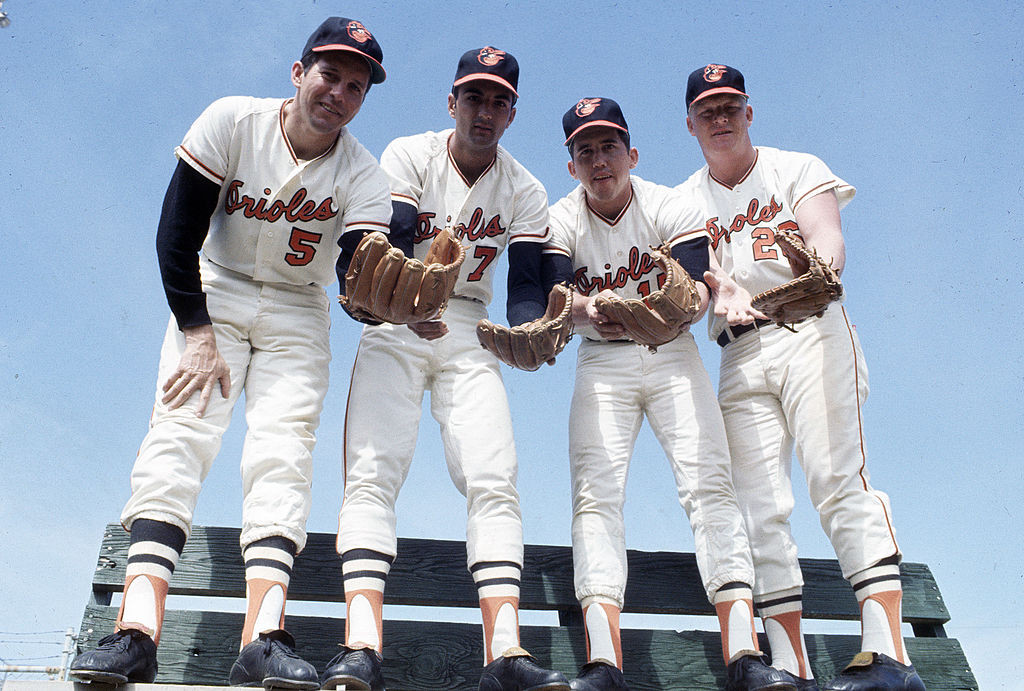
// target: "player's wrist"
[[199, 335]]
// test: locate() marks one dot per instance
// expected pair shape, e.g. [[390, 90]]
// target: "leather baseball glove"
[[814, 287], [660, 317], [530, 345], [383, 285]]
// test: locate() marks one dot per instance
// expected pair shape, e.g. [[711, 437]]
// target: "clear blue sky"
[[917, 105]]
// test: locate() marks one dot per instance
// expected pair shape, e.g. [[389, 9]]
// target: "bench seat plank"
[[199, 647]]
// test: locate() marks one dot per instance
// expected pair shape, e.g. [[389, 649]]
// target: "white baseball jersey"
[[654, 215], [279, 218], [742, 219], [506, 204]]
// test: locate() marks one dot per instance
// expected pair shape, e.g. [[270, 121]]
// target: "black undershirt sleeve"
[[527, 300], [555, 268], [184, 223], [692, 255], [403, 227], [348, 243]]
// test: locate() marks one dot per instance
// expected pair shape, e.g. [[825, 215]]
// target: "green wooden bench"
[[198, 647]]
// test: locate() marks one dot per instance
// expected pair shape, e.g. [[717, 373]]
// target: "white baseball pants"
[[616, 385], [777, 388], [393, 369], [275, 339]]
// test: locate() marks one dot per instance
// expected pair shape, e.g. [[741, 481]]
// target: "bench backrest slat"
[[433, 573]]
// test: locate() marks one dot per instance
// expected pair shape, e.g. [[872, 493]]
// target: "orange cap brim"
[[594, 123], [484, 76]]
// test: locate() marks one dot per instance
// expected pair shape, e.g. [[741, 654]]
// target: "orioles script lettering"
[[297, 209], [755, 215]]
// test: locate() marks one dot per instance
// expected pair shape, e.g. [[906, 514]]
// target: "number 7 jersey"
[[506, 204], [741, 220]]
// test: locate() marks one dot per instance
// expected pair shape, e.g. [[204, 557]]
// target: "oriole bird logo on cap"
[[713, 73], [586, 106], [358, 32], [490, 56]]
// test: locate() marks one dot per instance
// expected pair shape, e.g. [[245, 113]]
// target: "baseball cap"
[[489, 64], [713, 79], [342, 33], [592, 112]]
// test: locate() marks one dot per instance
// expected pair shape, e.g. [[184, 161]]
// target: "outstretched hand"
[[732, 301]]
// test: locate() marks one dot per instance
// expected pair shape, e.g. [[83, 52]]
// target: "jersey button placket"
[[264, 248]]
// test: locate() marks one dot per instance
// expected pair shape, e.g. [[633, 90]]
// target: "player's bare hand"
[[200, 369], [430, 330], [732, 301], [584, 313]]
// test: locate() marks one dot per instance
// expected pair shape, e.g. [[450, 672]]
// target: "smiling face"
[[330, 93], [483, 111], [601, 161], [721, 124]]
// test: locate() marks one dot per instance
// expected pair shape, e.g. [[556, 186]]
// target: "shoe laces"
[[119, 640], [282, 649]]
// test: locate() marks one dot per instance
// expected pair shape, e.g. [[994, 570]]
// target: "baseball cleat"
[[127, 655], [516, 670], [751, 673], [800, 683], [271, 662], [355, 669], [599, 676], [870, 671]]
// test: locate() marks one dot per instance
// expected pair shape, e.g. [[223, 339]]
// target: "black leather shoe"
[[870, 671], [357, 669], [599, 676], [516, 670], [751, 673], [800, 683], [123, 656], [270, 661]]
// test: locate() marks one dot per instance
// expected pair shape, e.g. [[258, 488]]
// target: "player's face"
[[331, 92], [482, 111], [601, 162], [721, 123]]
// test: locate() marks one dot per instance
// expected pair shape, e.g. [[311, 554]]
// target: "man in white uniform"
[[778, 387], [265, 194], [600, 235], [463, 180]]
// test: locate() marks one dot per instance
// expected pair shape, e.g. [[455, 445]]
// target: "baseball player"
[[600, 235], [264, 193], [463, 180], [779, 387]]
